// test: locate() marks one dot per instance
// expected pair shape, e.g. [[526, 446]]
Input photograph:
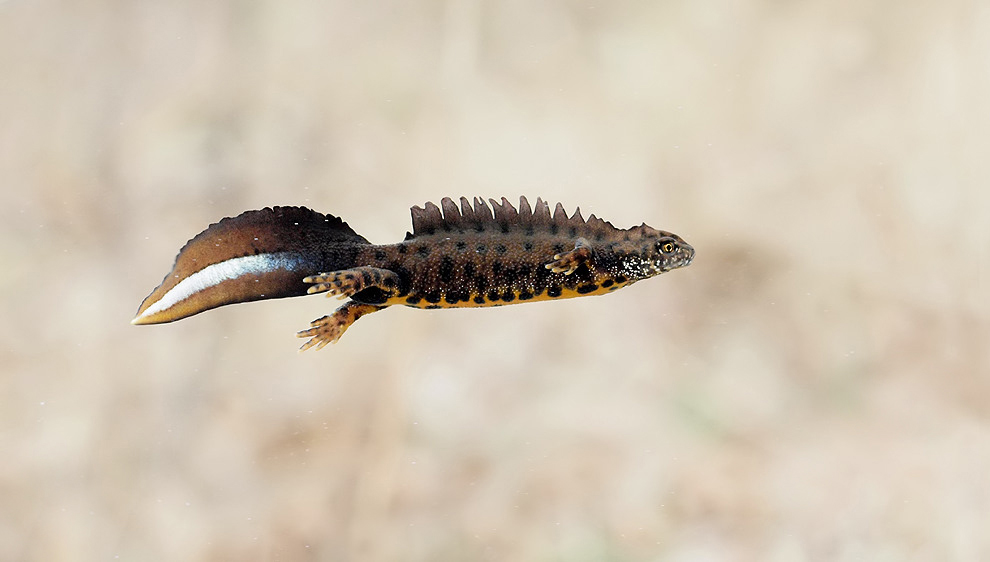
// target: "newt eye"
[[667, 247]]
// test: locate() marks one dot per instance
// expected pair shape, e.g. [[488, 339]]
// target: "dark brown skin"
[[458, 257], [472, 259]]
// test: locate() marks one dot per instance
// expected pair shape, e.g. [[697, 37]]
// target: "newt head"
[[647, 252]]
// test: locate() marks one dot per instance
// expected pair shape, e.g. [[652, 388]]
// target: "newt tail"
[[466, 256]]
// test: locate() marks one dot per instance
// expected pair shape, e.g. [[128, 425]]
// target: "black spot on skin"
[[432, 306], [558, 248], [405, 279], [446, 269], [626, 237], [554, 291], [479, 299], [371, 295], [542, 273], [403, 248], [389, 282], [529, 230], [620, 279], [481, 249], [554, 229], [607, 283], [433, 297], [461, 245], [412, 300], [482, 283], [493, 295], [423, 251], [572, 232], [525, 295], [600, 236], [508, 296], [379, 255], [505, 228], [366, 277], [524, 270], [451, 298], [469, 269], [528, 246], [501, 249], [589, 288], [496, 267], [479, 227]]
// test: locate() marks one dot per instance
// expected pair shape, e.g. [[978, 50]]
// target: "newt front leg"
[[568, 262]]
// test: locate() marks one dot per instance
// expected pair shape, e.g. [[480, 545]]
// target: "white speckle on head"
[[217, 273], [632, 267]]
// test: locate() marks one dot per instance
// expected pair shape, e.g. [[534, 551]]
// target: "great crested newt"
[[467, 256]]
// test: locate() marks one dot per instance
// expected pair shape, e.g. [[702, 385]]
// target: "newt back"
[[480, 256]]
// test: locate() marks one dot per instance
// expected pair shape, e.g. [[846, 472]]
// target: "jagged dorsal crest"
[[504, 218]]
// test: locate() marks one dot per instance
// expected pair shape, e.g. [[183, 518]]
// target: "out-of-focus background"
[[816, 386]]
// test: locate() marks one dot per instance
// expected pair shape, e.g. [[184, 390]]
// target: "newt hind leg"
[[348, 282], [568, 262], [329, 328], [345, 283]]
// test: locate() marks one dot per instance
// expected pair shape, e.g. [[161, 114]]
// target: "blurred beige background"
[[816, 386]]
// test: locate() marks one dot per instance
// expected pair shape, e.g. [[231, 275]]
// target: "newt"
[[467, 256]]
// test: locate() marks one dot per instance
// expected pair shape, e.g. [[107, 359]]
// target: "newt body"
[[467, 256]]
